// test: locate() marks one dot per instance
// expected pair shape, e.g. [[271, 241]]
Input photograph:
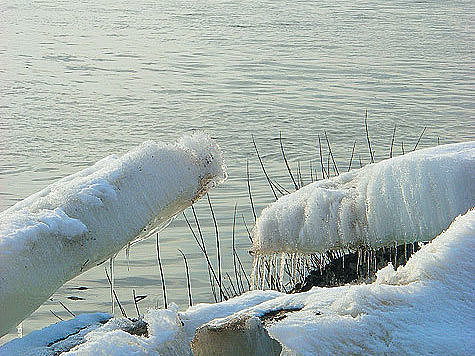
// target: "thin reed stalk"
[[218, 250], [286, 162], [233, 238], [188, 283], [324, 175], [164, 290], [419, 139], [210, 266], [136, 303], [114, 294], [335, 167], [52, 312], [67, 309], [263, 168], [392, 142], [367, 136], [351, 157], [213, 289], [249, 190]]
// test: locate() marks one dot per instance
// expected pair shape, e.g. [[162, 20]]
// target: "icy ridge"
[[404, 199]]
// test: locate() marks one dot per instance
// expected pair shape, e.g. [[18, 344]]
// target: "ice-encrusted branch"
[[86, 218]]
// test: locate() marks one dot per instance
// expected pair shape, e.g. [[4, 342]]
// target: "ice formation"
[[86, 218], [400, 200], [424, 307]]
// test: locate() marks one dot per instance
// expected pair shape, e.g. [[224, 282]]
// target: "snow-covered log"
[[400, 200], [86, 218]]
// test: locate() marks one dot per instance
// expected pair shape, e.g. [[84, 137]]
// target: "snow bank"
[[404, 199], [86, 218], [425, 307]]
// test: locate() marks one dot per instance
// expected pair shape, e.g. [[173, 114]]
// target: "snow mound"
[[86, 218], [400, 200]]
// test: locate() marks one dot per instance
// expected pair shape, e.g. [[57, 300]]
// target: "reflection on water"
[[85, 79]]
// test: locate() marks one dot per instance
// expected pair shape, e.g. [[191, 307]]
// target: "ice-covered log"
[[86, 218], [400, 200]]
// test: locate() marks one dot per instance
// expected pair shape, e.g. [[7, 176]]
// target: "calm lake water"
[[82, 80]]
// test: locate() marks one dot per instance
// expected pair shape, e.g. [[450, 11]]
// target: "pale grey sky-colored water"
[[81, 80]]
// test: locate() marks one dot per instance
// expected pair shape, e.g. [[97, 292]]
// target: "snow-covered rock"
[[400, 200], [86, 218]]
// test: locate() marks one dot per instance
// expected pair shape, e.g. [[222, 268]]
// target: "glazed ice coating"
[[404, 199], [86, 218]]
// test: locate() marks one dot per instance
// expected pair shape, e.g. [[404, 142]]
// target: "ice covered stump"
[[400, 200], [86, 218]]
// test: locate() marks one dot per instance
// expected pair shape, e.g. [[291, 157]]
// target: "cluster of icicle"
[[399, 201]]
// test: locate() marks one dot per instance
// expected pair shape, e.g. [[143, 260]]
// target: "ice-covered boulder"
[[240, 336], [400, 200], [86, 218]]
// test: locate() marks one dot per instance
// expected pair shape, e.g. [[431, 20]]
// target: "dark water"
[[81, 80]]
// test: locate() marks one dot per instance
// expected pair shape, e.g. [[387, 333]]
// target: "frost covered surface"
[[404, 199], [55, 338], [86, 218], [425, 307]]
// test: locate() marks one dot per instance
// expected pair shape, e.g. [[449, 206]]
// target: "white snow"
[[425, 307], [54, 338], [86, 218], [404, 199], [170, 331]]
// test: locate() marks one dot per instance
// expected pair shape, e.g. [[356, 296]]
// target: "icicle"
[[127, 256], [395, 254], [270, 270], [282, 267], [262, 275], [375, 262], [111, 271], [367, 262], [255, 266], [19, 330], [358, 264], [294, 268]]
